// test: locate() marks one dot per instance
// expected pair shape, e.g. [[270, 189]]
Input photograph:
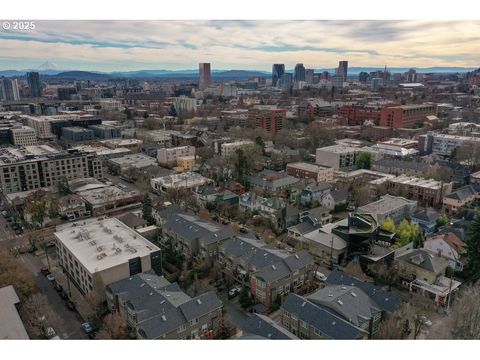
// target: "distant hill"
[[81, 75]]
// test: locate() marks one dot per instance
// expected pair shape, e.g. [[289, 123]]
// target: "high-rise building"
[[411, 76], [285, 81], [268, 117], [205, 77], [299, 74], [34, 85], [9, 90], [277, 71], [309, 73], [343, 69], [363, 77]]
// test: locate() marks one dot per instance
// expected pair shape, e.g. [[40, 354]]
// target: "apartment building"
[[170, 155], [158, 309], [100, 252], [427, 192], [316, 172], [442, 144], [34, 167], [268, 117], [388, 206], [23, 136], [268, 271], [229, 149], [465, 196], [406, 116], [337, 156], [42, 126]]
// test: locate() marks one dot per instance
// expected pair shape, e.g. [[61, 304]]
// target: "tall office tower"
[[299, 74], [205, 76], [309, 73], [277, 71], [343, 69], [363, 77], [9, 90], [325, 75], [34, 85]]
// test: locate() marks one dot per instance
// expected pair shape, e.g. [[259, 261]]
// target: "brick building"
[[406, 116]]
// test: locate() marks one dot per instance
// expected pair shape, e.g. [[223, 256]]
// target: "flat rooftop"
[[136, 160], [308, 166], [102, 244], [384, 204], [338, 149], [420, 182], [11, 325], [101, 195]]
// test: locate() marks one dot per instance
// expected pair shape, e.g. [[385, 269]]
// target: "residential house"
[[157, 309], [272, 181], [424, 271], [261, 327], [426, 219], [449, 246], [319, 193], [465, 196], [73, 207]]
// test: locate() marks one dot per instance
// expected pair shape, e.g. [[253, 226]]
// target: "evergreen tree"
[[473, 250], [147, 209]]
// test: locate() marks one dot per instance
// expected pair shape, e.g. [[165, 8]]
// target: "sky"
[[250, 45]]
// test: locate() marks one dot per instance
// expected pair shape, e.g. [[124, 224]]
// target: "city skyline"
[[250, 45]]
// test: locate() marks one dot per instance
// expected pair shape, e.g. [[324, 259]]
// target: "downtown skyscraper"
[[342, 69], [205, 77], [299, 74], [277, 71], [33, 79]]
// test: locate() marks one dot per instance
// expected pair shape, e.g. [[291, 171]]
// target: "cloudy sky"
[[174, 45]]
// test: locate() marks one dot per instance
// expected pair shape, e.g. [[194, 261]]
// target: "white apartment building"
[[42, 126], [228, 149], [23, 136], [110, 104], [185, 104], [171, 155], [100, 252], [337, 156]]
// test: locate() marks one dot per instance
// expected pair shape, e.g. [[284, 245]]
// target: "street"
[[71, 325]]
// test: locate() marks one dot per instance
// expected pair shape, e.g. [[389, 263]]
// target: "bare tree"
[[395, 327], [466, 315], [38, 316], [114, 327]]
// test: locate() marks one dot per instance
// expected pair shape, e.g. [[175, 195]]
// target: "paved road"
[[233, 313], [70, 328]]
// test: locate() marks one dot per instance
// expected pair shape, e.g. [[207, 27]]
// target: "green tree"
[[147, 210], [408, 232], [388, 224], [473, 250], [442, 220], [363, 160], [241, 166], [244, 298], [37, 209], [63, 187], [260, 142]]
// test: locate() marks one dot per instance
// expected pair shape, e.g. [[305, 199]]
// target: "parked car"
[[70, 305], [234, 291], [63, 295], [18, 232], [87, 328], [44, 270], [50, 277], [58, 287], [320, 276]]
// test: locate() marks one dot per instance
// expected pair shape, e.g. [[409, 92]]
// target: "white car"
[[50, 277], [234, 291], [320, 276]]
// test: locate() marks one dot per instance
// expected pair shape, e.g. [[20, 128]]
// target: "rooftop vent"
[[304, 303], [199, 302], [340, 302], [353, 294], [296, 256], [273, 267], [164, 318], [142, 284]]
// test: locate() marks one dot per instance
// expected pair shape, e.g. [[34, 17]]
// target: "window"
[[193, 322], [181, 328]]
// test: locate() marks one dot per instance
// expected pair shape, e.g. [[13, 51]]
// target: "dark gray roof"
[[463, 193], [191, 227], [265, 328], [329, 324], [426, 215], [161, 307], [132, 220], [424, 259], [403, 164], [385, 300], [350, 302], [283, 268]]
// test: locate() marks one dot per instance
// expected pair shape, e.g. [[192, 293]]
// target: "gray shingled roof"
[[385, 300], [191, 227], [329, 324], [161, 307], [424, 259], [265, 328], [426, 215], [350, 302], [463, 193]]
